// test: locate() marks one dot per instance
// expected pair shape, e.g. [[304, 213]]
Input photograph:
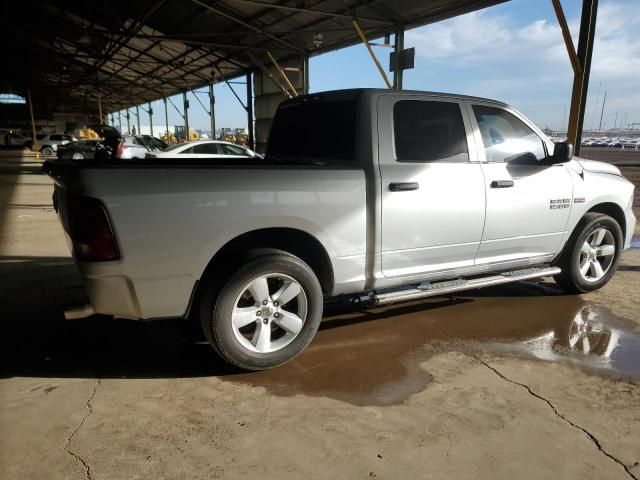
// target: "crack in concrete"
[[78, 458], [591, 437]]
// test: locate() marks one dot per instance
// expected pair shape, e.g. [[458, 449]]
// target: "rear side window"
[[55, 137], [426, 131], [205, 148], [505, 137], [233, 150], [313, 131]]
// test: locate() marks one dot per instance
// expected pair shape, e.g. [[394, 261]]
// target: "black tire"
[[571, 279], [46, 151], [218, 301]]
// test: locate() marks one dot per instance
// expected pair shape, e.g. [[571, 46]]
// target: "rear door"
[[432, 187], [528, 202]]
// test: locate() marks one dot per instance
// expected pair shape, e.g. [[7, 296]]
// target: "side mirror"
[[562, 152]]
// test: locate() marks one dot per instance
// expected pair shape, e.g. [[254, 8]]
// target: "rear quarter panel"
[[169, 222]]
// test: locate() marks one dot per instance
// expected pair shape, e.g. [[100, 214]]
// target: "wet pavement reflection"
[[373, 357], [365, 356]]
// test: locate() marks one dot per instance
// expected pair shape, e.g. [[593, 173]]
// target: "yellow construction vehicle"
[[87, 134]]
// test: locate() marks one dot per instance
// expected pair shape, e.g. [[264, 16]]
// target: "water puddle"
[[373, 357]]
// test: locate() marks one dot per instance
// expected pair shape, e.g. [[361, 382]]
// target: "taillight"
[[90, 231], [121, 150]]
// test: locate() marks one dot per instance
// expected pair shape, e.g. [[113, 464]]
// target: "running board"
[[442, 288]]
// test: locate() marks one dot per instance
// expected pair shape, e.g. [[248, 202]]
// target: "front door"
[[528, 202], [432, 189]]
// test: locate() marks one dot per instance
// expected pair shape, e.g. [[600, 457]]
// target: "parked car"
[[12, 138], [205, 149], [84, 149], [49, 143], [400, 195], [127, 147]]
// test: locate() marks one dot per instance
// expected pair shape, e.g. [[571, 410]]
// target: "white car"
[[49, 143], [205, 149]]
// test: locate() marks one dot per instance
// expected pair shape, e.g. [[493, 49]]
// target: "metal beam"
[[321, 13], [398, 73], [581, 80], [373, 55], [186, 116], [212, 111], [266, 71], [566, 34], [138, 118], [248, 25], [166, 118], [250, 111], [283, 75], [150, 112]]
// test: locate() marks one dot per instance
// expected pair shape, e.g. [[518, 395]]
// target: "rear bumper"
[[138, 299]]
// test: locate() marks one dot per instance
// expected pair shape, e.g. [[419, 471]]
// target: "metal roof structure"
[[69, 53]]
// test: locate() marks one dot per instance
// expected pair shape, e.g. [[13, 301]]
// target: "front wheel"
[[591, 255], [77, 156], [266, 313], [47, 151]]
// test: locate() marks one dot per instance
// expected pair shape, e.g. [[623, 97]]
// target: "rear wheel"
[[591, 255], [266, 313], [77, 156], [47, 151]]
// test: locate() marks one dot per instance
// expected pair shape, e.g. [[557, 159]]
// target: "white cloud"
[[525, 62]]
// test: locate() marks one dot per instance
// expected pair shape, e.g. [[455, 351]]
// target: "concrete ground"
[[513, 382]]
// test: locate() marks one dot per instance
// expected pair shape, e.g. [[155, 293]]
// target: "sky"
[[511, 52]]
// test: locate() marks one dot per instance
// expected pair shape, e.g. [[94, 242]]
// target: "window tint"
[[207, 148], [55, 137], [186, 150], [313, 131], [427, 131], [505, 137], [233, 150]]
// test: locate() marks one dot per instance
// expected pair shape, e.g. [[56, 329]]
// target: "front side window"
[[426, 131], [505, 137]]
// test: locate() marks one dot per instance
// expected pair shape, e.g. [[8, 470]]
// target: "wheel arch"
[[290, 240], [614, 211]]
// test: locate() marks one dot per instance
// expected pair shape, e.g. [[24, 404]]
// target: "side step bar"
[[442, 288]]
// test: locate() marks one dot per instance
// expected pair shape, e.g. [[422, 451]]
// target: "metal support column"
[[120, 120], [33, 127], [100, 110], [186, 116], [398, 47], [150, 112], [166, 119], [212, 111], [581, 79], [305, 75], [128, 122], [250, 110], [138, 119]]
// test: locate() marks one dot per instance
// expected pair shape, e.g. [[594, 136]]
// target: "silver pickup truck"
[[400, 195]]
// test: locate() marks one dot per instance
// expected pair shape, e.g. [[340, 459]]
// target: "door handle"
[[502, 184], [403, 186]]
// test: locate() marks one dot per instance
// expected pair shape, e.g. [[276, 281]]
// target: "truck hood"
[[598, 167]]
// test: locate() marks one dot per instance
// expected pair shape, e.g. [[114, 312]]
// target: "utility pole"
[[615, 122], [604, 101]]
